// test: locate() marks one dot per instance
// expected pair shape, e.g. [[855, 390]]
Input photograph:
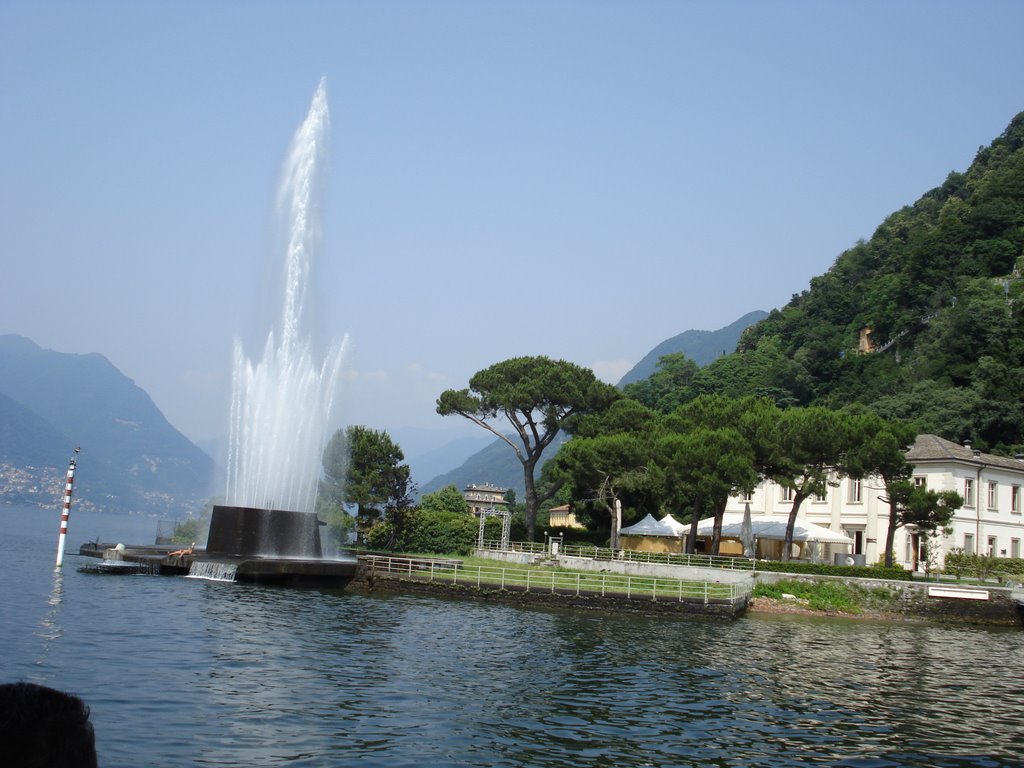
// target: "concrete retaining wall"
[[631, 568], [378, 581], [519, 558], [744, 579]]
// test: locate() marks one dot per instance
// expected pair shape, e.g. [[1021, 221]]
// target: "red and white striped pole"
[[67, 509]]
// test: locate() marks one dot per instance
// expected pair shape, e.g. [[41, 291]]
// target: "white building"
[[990, 522]]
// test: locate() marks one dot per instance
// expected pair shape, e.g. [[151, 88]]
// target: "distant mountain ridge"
[[496, 464], [430, 464], [703, 347], [132, 459]]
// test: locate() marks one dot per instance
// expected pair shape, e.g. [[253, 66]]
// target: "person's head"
[[40, 726]]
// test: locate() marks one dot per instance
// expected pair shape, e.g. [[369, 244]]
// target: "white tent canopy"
[[772, 527], [674, 524], [649, 527]]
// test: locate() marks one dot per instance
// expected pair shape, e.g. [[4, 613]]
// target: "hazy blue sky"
[[575, 179]]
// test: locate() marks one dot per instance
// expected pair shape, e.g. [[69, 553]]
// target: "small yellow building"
[[562, 517]]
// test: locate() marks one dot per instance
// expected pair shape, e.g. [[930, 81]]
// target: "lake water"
[[185, 672]]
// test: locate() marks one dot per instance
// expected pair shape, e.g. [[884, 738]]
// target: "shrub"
[[189, 531], [959, 564], [421, 530], [825, 569], [828, 595]]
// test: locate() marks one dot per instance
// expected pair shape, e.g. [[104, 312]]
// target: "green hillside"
[[922, 322], [700, 346]]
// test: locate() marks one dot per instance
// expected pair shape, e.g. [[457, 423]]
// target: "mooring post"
[[66, 513]]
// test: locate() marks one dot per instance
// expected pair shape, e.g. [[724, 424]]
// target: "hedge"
[[982, 566], [826, 569]]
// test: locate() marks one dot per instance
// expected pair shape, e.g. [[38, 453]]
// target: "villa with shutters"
[[990, 521]]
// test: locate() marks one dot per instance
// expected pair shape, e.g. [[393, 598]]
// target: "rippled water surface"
[[185, 672]]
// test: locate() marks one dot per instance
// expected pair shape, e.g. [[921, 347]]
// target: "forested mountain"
[[131, 460], [922, 322], [700, 346]]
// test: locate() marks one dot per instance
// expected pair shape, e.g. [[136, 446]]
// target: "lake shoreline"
[[769, 605], [774, 606]]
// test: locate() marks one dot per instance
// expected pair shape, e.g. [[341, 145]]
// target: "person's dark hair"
[[43, 727]]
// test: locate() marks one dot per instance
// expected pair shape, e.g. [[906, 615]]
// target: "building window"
[[1015, 499], [968, 493], [968, 543], [746, 495], [820, 498], [991, 552], [1014, 547], [920, 481], [993, 497], [787, 493], [854, 496]]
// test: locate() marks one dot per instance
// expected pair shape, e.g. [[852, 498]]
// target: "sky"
[[578, 179]]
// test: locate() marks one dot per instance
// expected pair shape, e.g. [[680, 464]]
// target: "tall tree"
[[711, 448], [363, 467], [668, 386], [924, 509], [714, 463], [811, 447], [610, 456], [537, 396], [878, 448]]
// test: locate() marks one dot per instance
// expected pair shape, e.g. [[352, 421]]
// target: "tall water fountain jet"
[[267, 531], [281, 405]]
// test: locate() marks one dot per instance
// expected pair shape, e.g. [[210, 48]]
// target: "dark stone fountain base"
[[273, 533], [272, 546], [266, 546]]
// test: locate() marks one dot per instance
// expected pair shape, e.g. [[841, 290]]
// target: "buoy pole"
[[66, 513]]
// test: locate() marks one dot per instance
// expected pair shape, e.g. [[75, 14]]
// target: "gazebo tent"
[[771, 528], [648, 527], [675, 525], [650, 535]]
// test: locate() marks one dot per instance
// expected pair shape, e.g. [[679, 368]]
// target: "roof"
[[772, 527], [674, 524], [485, 487], [649, 527], [667, 526], [929, 448]]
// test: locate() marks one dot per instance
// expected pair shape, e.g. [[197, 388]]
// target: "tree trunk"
[[890, 535], [616, 523], [716, 537], [691, 537], [787, 545], [531, 500]]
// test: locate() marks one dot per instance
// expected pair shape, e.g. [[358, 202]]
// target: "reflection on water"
[[187, 672]]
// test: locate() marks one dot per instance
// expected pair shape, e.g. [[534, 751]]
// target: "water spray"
[[281, 404], [67, 508]]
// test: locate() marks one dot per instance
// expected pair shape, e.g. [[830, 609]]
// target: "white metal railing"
[[550, 580], [627, 555]]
